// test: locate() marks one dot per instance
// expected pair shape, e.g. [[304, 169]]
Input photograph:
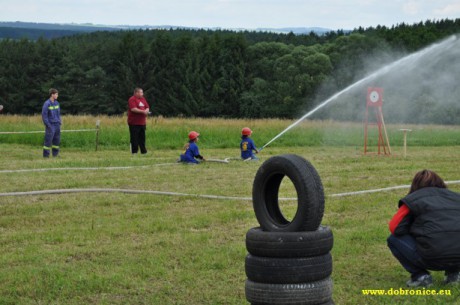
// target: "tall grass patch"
[[171, 133]]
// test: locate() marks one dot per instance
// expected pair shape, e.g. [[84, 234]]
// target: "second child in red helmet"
[[247, 145], [191, 152]]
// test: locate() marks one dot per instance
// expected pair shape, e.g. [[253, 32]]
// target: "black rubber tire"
[[273, 270], [313, 293], [310, 194], [289, 244]]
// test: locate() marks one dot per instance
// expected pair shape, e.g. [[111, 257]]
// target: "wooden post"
[[366, 124], [405, 141], [98, 123], [385, 131]]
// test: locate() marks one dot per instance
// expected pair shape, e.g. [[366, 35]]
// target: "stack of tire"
[[289, 262]]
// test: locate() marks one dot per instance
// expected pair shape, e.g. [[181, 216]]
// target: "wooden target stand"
[[374, 102]]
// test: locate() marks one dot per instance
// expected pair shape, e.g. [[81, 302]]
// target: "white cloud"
[[448, 10], [411, 8]]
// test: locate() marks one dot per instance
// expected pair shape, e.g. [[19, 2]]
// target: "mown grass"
[[171, 133], [114, 248]]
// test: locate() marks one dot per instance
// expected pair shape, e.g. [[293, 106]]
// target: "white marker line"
[[42, 131], [385, 189], [81, 168], [226, 160]]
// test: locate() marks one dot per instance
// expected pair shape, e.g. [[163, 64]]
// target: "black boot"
[[452, 277]]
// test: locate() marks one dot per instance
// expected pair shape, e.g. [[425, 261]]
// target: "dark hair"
[[426, 178], [52, 91]]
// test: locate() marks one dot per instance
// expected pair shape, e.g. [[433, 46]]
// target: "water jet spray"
[[445, 44]]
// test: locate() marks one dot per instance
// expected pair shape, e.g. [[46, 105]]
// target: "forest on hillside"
[[200, 73]]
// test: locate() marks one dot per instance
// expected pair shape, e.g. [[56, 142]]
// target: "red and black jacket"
[[432, 216]]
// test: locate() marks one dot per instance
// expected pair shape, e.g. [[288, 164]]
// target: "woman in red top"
[[138, 110], [425, 232]]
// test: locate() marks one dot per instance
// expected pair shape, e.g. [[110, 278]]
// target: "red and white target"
[[374, 96]]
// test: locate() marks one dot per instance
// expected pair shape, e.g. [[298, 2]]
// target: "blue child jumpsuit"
[[191, 152], [51, 116], [247, 146]]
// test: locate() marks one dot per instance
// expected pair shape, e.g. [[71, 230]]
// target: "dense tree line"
[[196, 72]]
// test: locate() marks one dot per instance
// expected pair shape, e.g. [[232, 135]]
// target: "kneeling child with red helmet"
[[247, 145], [191, 152]]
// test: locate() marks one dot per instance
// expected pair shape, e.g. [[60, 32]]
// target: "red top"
[[139, 103], [394, 222]]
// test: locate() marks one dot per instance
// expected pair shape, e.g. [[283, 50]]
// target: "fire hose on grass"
[[208, 196]]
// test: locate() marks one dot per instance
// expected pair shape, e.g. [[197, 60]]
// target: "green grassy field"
[[115, 248]]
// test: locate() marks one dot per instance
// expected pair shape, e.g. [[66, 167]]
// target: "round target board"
[[374, 96]]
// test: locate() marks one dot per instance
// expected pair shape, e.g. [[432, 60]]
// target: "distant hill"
[[33, 31], [87, 27]]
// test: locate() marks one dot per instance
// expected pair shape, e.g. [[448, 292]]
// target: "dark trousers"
[[52, 140], [137, 138], [405, 250]]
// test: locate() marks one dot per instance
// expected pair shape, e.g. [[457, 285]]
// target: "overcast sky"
[[332, 14]]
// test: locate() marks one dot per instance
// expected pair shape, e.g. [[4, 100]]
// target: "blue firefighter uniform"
[[247, 146], [191, 152], [51, 116]]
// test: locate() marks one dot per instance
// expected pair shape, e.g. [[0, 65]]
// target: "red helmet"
[[246, 131], [193, 135]]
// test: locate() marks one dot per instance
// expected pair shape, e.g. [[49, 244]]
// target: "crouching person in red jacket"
[[425, 232]]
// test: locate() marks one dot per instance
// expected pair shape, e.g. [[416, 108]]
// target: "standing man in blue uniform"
[[51, 115]]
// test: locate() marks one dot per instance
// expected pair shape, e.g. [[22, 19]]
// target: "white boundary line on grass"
[[383, 189], [128, 191], [42, 131], [98, 168], [81, 168]]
